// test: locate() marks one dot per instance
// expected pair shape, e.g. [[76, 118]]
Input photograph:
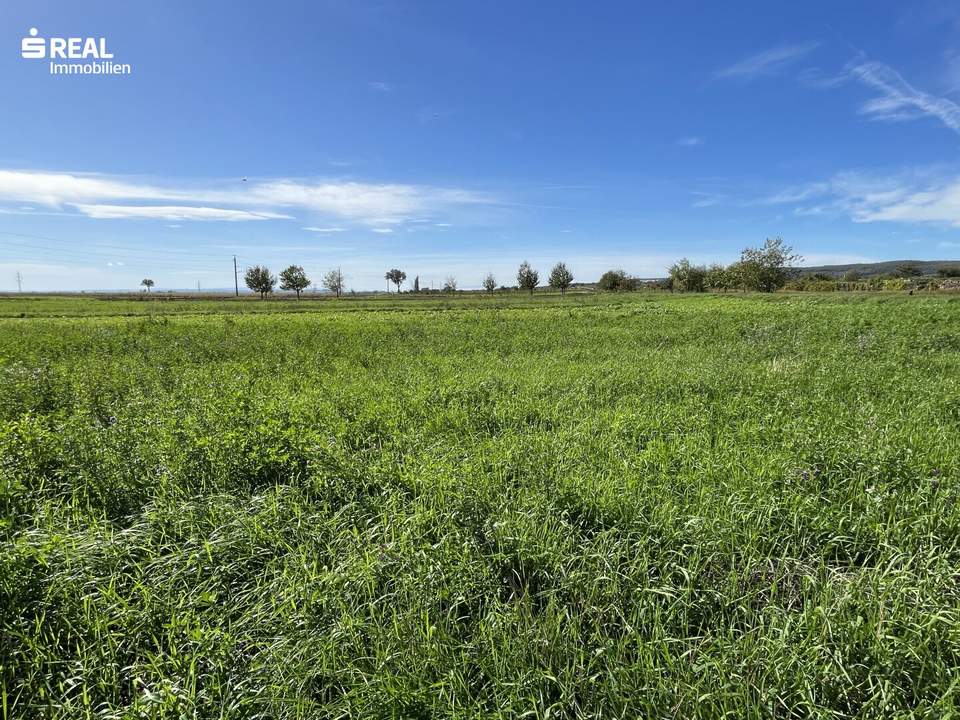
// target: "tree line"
[[260, 279], [763, 269]]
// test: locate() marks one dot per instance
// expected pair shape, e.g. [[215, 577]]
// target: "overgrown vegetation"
[[762, 269], [689, 506]]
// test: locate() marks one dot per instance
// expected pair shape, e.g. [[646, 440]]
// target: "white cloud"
[[325, 229], [364, 202], [98, 196], [908, 197], [380, 86], [899, 100], [768, 62], [55, 189], [382, 230], [692, 141], [172, 212]]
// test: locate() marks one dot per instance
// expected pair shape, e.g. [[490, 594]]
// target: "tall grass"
[[690, 507]]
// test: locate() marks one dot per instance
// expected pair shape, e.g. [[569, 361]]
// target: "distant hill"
[[867, 270]]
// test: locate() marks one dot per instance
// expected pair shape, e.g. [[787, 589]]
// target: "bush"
[[768, 268], [615, 280]]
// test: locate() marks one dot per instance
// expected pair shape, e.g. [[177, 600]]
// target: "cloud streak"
[[905, 198], [173, 213], [769, 62], [899, 100], [368, 204]]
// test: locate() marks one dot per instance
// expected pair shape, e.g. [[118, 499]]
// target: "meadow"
[[618, 506]]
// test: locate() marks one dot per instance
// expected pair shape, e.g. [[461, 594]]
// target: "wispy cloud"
[[705, 199], [899, 100], [102, 197], [768, 62], [173, 212], [366, 202], [906, 197], [380, 86], [325, 229], [692, 141]]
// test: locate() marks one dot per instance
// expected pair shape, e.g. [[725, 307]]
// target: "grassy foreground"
[[646, 506]]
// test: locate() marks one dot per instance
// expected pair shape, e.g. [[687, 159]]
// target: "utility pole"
[[236, 282], [19, 282]]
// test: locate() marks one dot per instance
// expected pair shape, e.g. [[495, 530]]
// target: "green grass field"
[[636, 506]]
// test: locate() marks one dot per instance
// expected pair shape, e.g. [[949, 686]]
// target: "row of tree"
[[527, 279], [764, 269], [260, 280]]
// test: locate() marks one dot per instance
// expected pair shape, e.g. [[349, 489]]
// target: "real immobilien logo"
[[84, 56]]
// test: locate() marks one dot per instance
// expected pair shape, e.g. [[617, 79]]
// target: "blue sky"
[[455, 138]]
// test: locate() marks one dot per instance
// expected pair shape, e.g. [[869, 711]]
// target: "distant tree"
[[489, 283], [614, 280], [450, 284], [396, 277], [527, 277], [767, 268], [147, 283], [259, 279], [333, 281], [852, 276], [949, 271], [560, 277], [416, 284], [687, 277], [908, 270], [294, 278]]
